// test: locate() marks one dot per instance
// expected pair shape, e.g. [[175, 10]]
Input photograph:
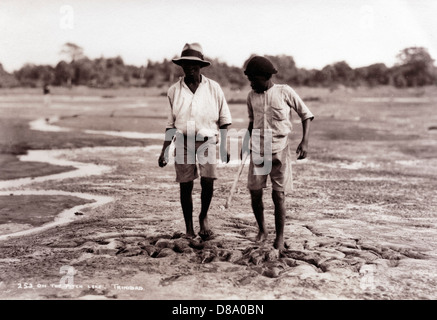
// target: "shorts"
[[280, 172], [186, 161]]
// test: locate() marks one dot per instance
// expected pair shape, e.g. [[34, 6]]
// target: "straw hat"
[[192, 52]]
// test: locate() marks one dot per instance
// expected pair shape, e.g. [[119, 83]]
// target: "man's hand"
[[302, 150], [163, 159]]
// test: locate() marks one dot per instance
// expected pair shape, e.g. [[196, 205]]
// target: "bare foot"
[[190, 235], [279, 244], [203, 221], [261, 236], [206, 234]]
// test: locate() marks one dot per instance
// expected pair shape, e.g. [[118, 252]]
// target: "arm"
[[302, 149], [169, 132], [246, 141], [163, 158], [295, 102], [225, 120]]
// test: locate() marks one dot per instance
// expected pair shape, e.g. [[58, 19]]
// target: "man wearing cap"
[[269, 108], [198, 114]]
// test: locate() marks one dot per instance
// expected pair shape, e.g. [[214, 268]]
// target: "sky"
[[315, 32]]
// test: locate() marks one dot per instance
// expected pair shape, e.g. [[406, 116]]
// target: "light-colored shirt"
[[207, 107], [271, 110]]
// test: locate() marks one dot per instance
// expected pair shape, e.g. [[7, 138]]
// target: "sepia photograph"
[[231, 152]]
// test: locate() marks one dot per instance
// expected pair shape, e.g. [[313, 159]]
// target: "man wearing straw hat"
[[198, 113]]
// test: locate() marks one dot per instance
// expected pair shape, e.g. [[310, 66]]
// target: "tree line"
[[414, 68]]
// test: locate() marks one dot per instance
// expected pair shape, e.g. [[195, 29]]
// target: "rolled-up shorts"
[[280, 172], [203, 155]]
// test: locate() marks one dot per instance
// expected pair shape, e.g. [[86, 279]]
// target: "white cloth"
[[207, 108], [271, 110]]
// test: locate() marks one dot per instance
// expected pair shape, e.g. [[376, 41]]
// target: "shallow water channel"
[[58, 157]]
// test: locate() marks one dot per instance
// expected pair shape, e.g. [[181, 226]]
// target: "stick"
[[234, 185]]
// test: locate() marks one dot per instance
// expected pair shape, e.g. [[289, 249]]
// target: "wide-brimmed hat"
[[192, 52]]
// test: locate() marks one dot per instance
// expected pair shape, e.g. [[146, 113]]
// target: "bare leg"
[[258, 210], [207, 185], [186, 189], [279, 201]]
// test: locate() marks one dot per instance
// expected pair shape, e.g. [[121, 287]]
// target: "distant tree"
[[373, 75], [46, 74], [167, 70], [83, 71], [149, 74], [35, 75], [378, 74], [237, 79], [332, 75], [287, 70], [360, 75], [73, 51], [7, 80], [417, 56], [326, 76], [118, 61], [416, 65], [343, 73], [397, 78], [27, 74], [64, 73], [102, 76], [218, 71], [308, 77]]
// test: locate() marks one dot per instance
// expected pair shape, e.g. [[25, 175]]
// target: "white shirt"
[[271, 110], [207, 107]]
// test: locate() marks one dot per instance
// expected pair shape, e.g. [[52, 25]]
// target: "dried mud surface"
[[361, 224], [342, 249]]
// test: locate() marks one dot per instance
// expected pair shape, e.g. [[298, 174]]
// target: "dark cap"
[[259, 65]]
